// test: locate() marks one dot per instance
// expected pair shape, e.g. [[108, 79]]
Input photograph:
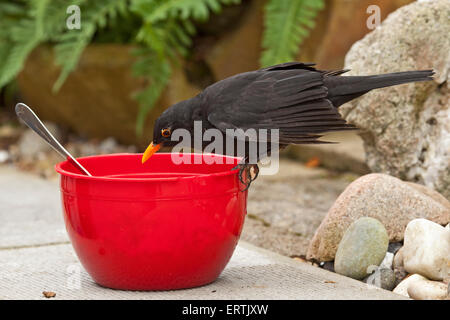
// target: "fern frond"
[[155, 11], [287, 24], [196, 9], [23, 37], [156, 70], [96, 14], [11, 9], [166, 32]]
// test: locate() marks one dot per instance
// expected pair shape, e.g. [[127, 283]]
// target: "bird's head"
[[177, 116]]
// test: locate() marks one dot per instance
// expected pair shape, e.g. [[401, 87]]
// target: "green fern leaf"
[[166, 33], [287, 24], [155, 11], [24, 36], [95, 14], [180, 8], [156, 70], [10, 9]]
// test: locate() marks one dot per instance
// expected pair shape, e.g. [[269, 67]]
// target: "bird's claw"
[[251, 173]]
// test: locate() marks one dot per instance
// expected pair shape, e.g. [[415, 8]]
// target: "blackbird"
[[297, 99]]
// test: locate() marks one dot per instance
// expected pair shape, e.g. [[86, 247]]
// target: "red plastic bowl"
[[156, 226]]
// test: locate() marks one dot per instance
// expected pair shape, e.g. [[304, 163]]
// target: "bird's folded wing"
[[293, 101], [291, 65]]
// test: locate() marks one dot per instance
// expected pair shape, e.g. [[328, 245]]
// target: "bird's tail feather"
[[344, 89]]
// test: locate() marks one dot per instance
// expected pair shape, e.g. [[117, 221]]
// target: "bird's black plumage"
[[296, 98]]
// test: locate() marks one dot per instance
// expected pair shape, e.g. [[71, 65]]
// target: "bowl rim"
[[65, 173]]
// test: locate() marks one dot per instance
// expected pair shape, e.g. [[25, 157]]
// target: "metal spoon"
[[34, 123]]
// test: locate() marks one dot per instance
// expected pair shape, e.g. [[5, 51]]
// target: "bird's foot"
[[247, 174]]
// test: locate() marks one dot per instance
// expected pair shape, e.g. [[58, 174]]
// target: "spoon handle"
[[34, 123]]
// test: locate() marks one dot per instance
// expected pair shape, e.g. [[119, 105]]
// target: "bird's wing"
[[290, 97], [291, 66]]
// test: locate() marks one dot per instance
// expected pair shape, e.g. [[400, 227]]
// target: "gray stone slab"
[[296, 198], [252, 273], [30, 210], [285, 209]]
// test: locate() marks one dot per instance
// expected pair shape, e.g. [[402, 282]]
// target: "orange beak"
[[151, 149]]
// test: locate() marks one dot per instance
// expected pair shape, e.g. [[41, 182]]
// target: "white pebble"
[[4, 156], [426, 249], [427, 290], [402, 287]]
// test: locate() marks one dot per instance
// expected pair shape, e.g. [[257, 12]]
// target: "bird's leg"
[[251, 172]]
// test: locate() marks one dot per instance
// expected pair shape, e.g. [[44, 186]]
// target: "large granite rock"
[[393, 202], [406, 129]]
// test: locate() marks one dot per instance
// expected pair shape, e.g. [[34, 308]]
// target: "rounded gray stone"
[[383, 278], [362, 248]]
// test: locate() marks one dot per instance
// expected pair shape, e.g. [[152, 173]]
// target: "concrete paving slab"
[[285, 209], [30, 210], [252, 273]]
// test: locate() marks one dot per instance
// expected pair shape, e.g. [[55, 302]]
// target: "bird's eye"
[[165, 132]]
